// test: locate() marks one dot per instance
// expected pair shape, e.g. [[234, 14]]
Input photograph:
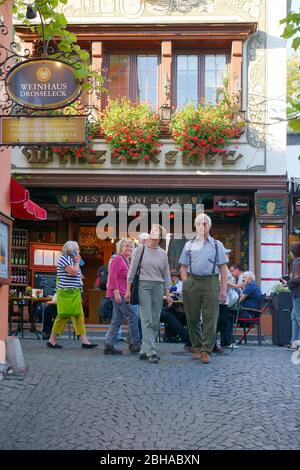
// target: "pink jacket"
[[117, 277]]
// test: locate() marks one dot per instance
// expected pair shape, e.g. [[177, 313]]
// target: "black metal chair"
[[249, 318], [16, 317]]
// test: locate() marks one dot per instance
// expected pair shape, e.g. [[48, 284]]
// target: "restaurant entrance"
[[230, 236], [74, 215], [95, 253]]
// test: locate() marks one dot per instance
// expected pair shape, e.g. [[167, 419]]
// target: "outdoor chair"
[[16, 317], [243, 321]]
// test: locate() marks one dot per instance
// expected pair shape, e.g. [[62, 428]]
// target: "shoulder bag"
[[134, 299], [69, 302]]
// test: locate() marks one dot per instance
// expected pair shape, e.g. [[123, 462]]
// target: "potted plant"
[[28, 291], [132, 130], [203, 131]]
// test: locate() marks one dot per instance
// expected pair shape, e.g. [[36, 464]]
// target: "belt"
[[207, 276]]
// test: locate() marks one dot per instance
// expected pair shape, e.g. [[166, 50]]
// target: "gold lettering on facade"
[[44, 155], [232, 157], [38, 155], [98, 157], [211, 160], [170, 157]]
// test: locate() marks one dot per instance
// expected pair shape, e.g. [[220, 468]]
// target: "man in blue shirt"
[[251, 295]]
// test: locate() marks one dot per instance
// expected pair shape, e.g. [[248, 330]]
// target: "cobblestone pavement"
[[82, 399]]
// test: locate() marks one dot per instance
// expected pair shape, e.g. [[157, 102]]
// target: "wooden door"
[[230, 236]]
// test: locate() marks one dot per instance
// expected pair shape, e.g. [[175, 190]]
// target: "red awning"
[[21, 205]]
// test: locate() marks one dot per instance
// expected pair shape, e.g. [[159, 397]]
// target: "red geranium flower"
[[203, 130]]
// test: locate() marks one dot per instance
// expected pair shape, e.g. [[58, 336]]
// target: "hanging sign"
[[19, 131], [231, 203], [43, 84]]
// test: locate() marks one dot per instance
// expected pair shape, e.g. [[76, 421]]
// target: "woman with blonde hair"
[[154, 280], [69, 283], [116, 288]]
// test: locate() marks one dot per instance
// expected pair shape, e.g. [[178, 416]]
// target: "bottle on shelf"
[[19, 259]]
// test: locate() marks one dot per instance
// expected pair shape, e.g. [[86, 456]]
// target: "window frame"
[[133, 70], [201, 68]]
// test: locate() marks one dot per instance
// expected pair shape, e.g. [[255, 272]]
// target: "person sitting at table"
[[176, 287], [172, 316], [251, 295]]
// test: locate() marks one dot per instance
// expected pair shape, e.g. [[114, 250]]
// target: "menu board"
[[44, 257], [45, 281]]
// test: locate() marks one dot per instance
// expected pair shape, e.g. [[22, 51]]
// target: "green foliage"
[[294, 124], [132, 130], [292, 31], [203, 131], [293, 82], [292, 28], [279, 288], [55, 28]]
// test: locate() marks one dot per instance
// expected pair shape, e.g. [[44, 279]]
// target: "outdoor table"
[[30, 302]]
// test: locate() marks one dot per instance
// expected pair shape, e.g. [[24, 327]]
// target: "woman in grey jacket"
[[154, 280]]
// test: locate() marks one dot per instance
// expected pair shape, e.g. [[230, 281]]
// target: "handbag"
[[68, 302], [134, 298], [105, 309]]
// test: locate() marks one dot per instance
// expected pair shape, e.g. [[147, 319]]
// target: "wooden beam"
[[97, 64], [163, 182], [176, 32], [166, 73], [236, 69]]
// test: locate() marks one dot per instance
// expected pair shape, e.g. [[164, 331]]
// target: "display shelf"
[[20, 260]]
